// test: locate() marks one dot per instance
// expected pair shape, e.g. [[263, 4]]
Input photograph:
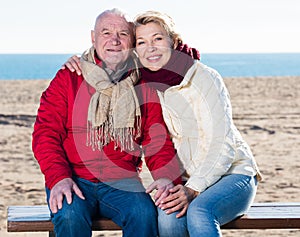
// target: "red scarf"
[[172, 73]]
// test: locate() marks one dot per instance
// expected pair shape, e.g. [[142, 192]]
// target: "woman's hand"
[[73, 64], [162, 185], [178, 200]]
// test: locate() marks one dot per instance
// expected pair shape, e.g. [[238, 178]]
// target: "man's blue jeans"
[[224, 201], [125, 202]]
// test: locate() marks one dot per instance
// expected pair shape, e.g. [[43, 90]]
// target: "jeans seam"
[[228, 196], [101, 202]]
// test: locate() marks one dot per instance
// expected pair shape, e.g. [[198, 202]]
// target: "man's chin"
[[114, 62]]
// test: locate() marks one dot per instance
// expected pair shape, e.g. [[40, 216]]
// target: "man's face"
[[112, 39]]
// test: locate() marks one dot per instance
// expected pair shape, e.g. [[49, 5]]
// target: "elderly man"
[[88, 136]]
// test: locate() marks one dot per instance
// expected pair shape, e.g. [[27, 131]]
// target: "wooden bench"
[[259, 216]]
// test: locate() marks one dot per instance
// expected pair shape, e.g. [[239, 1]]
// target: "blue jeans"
[[134, 210], [221, 203]]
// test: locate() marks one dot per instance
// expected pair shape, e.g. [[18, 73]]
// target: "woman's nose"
[[151, 47]]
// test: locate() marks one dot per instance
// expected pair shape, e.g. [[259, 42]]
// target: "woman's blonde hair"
[[162, 19]]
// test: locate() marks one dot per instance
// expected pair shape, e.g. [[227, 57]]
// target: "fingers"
[[173, 204], [176, 206], [73, 64], [161, 183], [176, 201], [176, 188], [175, 193], [52, 204], [182, 213], [76, 58], [68, 195], [55, 201], [78, 192], [61, 190], [151, 187], [167, 201], [160, 196]]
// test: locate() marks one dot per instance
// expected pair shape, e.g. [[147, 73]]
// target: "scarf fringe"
[[108, 103], [98, 137]]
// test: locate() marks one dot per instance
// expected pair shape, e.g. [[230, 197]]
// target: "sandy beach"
[[266, 110]]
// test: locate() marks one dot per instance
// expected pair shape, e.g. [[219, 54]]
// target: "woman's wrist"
[[192, 193]]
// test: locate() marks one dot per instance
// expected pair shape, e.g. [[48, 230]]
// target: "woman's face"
[[153, 46]]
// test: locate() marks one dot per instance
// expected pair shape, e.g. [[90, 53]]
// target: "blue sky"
[[212, 26]]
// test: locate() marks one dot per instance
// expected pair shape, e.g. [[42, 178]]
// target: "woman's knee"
[[199, 211], [169, 225]]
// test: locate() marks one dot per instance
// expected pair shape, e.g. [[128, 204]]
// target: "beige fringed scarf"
[[114, 109]]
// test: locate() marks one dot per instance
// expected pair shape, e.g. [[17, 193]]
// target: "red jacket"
[[59, 137]]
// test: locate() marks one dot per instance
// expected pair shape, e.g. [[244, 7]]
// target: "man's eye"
[[158, 38], [124, 34], [105, 33]]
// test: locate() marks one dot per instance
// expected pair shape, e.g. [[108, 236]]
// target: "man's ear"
[[93, 37]]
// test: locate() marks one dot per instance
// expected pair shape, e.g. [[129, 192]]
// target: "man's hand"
[[162, 185], [178, 200], [73, 64], [63, 188]]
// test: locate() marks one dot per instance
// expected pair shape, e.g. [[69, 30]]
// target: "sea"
[[45, 66]]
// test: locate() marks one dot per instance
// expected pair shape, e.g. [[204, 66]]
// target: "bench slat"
[[37, 218], [259, 216]]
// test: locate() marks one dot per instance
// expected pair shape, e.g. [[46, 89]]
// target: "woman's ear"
[[175, 43]]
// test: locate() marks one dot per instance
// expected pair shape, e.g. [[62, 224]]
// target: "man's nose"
[[115, 39]]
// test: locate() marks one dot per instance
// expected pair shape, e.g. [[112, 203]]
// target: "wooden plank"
[[29, 226], [259, 216], [40, 226], [277, 223], [28, 213], [105, 224], [37, 218], [269, 216]]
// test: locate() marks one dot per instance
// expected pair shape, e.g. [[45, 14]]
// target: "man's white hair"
[[114, 11]]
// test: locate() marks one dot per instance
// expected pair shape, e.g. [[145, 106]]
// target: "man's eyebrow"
[[122, 30], [125, 30], [104, 29]]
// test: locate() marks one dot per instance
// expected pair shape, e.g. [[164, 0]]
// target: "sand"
[[266, 110]]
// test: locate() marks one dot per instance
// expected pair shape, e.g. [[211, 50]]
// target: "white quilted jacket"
[[198, 114]]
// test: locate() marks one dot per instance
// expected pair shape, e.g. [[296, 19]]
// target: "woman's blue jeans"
[[125, 202], [224, 201]]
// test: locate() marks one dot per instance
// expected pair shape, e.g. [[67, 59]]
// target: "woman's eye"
[[158, 38], [140, 42]]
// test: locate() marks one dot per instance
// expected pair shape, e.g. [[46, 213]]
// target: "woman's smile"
[[153, 46]]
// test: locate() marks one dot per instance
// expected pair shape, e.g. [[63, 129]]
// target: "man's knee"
[[77, 214], [71, 216], [141, 212], [145, 208]]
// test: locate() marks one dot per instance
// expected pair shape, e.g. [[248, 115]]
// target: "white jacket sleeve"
[[221, 152]]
